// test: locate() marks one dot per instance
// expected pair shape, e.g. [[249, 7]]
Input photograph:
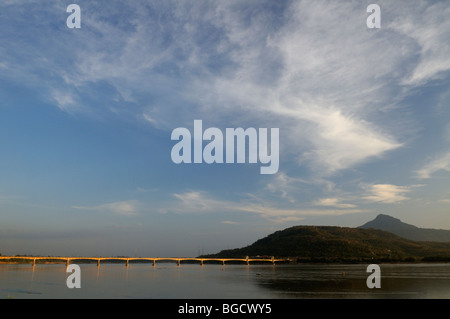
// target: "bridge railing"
[[127, 260]]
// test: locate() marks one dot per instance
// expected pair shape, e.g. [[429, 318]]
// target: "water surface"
[[192, 281]]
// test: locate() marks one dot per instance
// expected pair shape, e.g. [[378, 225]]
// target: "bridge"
[[127, 260]]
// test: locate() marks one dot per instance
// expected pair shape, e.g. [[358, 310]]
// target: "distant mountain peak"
[[396, 226], [386, 217], [386, 222]]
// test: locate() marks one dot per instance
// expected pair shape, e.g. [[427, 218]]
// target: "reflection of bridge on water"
[[67, 260]]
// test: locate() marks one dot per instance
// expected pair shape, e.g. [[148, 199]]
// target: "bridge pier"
[[34, 259]]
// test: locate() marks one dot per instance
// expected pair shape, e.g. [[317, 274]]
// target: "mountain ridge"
[[396, 226], [341, 244]]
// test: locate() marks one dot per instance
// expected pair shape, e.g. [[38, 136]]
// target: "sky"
[[87, 115]]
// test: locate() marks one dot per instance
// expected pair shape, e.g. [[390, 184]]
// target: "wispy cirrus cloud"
[[311, 68], [333, 202], [386, 193], [123, 208], [431, 37], [440, 163], [316, 92], [65, 100], [284, 185], [304, 63], [338, 141], [194, 202]]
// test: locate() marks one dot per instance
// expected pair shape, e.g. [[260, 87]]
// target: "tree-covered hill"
[[331, 243]]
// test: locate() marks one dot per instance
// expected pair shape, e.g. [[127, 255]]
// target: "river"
[[192, 281]]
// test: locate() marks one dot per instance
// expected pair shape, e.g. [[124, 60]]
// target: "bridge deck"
[[247, 260]]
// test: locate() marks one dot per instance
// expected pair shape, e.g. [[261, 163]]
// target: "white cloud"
[[276, 214], [441, 163], [322, 90], [285, 185], [338, 141], [124, 208], [200, 202], [15, 2], [431, 37], [314, 69], [64, 100], [230, 222], [333, 202], [386, 193]]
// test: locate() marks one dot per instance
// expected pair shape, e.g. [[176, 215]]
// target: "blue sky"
[[86, 117]]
